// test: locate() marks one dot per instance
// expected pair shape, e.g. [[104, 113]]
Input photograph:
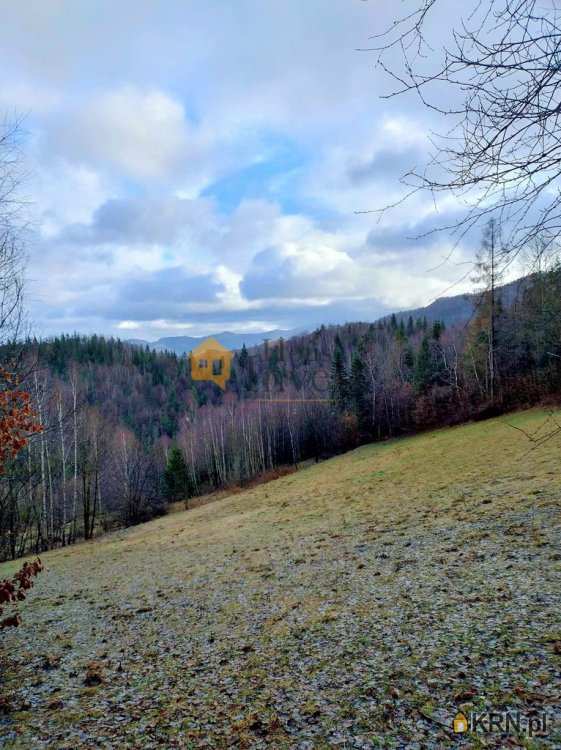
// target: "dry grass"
[[351, 604]]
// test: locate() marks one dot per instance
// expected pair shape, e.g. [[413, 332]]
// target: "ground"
[[358, 603]]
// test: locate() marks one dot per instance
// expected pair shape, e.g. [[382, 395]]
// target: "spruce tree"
[[339, 385], [424, 369], [437, 330], [243, 358], [409, 357], [358, 390], [400, 333], [176, 476], [274, 367]]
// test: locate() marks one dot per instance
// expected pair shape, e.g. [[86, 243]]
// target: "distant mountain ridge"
[[452, 310], [460, 307], [229, 339]]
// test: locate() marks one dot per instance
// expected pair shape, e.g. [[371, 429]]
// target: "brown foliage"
[[13, 590], [17, 419]]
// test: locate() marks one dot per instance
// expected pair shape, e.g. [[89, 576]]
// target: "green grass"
[[360, 601]]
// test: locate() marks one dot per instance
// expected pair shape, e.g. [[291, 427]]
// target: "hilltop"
[[356, 603], [231, 340], [460, 308]]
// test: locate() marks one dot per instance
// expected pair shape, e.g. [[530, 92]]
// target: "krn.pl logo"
[[460, 723]]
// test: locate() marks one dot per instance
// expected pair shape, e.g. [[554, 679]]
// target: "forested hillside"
[[460, 308], [127, 430]]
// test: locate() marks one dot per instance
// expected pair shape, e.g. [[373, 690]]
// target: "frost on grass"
[[357, 604]]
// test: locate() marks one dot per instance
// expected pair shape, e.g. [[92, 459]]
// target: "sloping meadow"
[[359, 603]]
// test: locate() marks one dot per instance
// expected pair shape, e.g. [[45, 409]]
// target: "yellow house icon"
[[460, 723], [211, 361]]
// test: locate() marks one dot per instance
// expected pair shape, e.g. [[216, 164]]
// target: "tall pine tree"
[[176, 477], [423, 376], [358, 391], [339, 385]]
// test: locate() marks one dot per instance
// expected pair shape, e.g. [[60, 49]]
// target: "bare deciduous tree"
[[12, 227], [498, 80]]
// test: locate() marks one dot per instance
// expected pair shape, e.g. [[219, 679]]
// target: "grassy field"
[[359, 603]]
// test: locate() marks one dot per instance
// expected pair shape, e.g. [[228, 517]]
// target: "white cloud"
[[142, 133], [137, 113], [65, 193]]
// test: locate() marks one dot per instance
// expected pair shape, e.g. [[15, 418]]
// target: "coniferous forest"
[[126, 430]]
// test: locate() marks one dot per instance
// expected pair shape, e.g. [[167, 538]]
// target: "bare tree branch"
[[502, 155]]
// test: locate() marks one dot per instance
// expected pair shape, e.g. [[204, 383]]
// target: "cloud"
[[64, 193], [142, 133], [197, 166], [389, 162], [158, 221], [169, 293], [168, 288], [303, 271], [169, 264], [191, 231]]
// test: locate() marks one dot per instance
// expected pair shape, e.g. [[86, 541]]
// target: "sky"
[[193, 167]]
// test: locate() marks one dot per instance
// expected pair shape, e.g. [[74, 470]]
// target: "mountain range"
[[458, 308], [229, 339]]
